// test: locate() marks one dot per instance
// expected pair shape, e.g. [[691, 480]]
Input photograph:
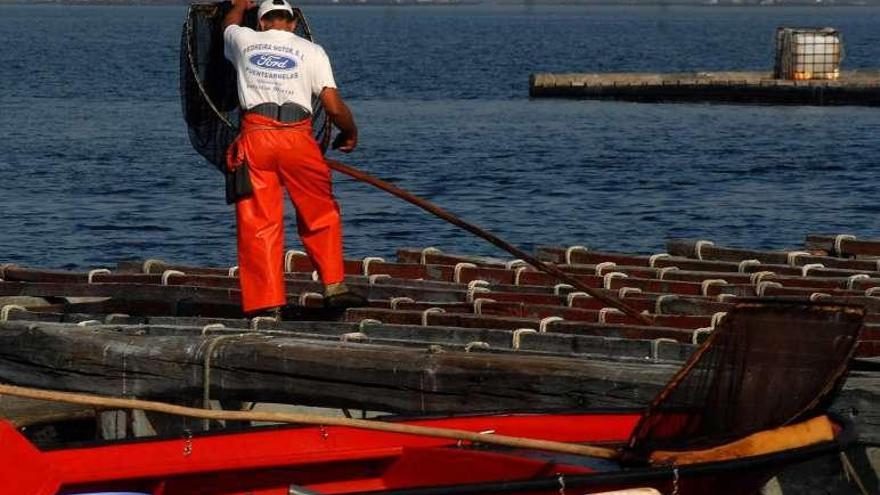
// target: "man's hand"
[[243, 4], [345, 142], [342, 118], [236, 13]]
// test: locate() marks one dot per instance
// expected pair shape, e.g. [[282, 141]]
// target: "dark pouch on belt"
[[238, 184]]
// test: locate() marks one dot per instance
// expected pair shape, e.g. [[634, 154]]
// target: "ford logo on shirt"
[[272, 61]]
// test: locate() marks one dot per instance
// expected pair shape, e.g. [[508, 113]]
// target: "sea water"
[[95, 166]]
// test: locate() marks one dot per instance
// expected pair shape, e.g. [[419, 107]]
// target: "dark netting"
[[208, 88], [768, 364]]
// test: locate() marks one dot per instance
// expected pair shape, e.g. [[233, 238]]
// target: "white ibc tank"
[[816, 56], [808, 53]]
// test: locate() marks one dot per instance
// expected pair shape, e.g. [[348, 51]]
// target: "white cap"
[[270, 5]]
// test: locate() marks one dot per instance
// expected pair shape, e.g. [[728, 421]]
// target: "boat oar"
[[492, 238], [307, 419]]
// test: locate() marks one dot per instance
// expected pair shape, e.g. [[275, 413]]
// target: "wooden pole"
[[492, 238], [309, 419]]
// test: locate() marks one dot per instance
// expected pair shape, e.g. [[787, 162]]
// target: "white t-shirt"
[[276, 66]]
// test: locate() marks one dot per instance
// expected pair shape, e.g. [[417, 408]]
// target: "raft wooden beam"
[[843, 245], [27, 412], [279, 366], [860, 87], [707, 251], [566, 342], [834, 267], [267, 368]]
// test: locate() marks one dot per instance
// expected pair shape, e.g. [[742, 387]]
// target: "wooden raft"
[[443, 333], [860, 87]]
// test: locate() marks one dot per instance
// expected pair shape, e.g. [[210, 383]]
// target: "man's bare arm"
[[342, 118], [236, 15]]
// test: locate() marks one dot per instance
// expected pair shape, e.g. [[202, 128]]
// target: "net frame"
[[665, 426]]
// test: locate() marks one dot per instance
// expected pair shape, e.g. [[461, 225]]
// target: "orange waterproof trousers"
[[287, 154]]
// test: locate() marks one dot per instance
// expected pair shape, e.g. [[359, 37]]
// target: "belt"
[[287, 113]]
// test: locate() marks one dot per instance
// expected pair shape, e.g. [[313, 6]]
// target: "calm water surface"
[[95, 166]]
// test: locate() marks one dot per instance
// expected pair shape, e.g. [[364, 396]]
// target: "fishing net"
[[768, 364], [208, 87]]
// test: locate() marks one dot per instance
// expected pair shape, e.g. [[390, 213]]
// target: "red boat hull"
[[337, 460]]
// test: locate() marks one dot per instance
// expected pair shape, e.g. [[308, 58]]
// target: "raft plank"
[[692, 269], [430, 256], [848, 246], [616, 325], [687, 248]]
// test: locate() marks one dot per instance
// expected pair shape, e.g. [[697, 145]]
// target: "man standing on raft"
[[278, 74]]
